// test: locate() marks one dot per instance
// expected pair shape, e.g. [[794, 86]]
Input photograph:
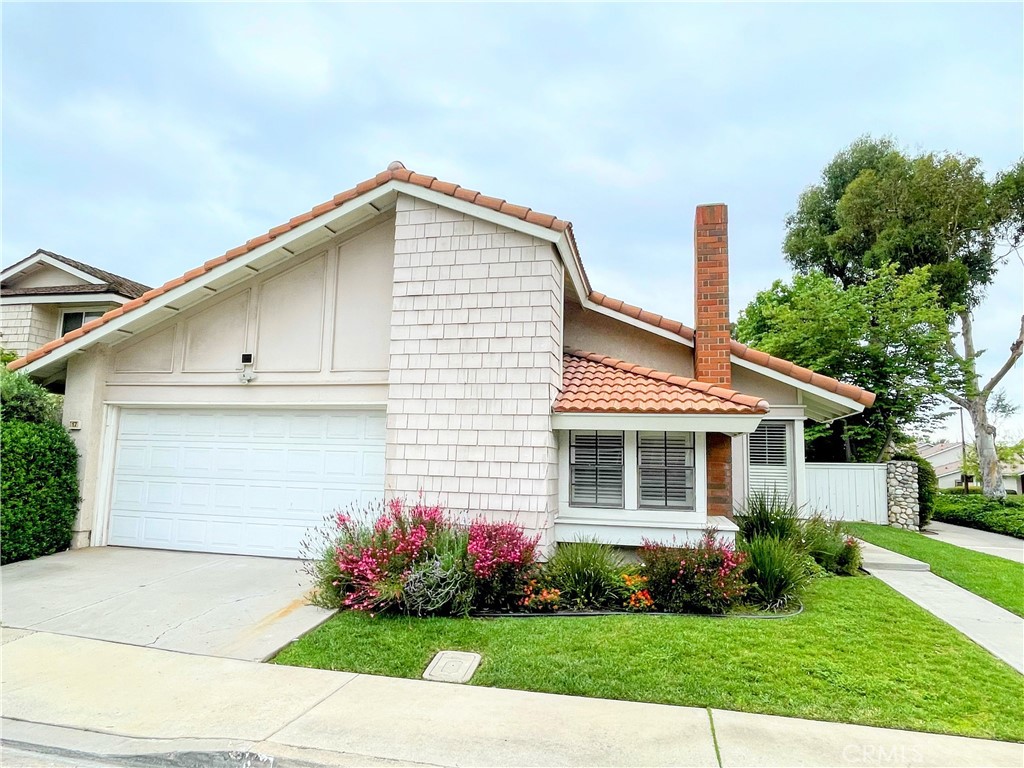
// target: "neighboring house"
[[46, 295], [947, 458], [412, 335]]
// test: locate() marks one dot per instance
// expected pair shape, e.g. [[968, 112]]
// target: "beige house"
[[412, 335], [46, 295], [947, 459]]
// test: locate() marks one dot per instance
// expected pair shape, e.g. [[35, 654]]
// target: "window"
[[72, 320], [770, 459], [665, 469], [595, 469]]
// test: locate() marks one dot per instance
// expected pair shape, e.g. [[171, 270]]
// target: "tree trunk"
[[991, 479]]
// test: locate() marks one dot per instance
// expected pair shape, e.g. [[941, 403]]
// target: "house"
[[46, 295], [947, 459], [413, 335]]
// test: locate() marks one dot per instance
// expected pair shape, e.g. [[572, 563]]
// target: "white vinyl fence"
[[847, 491]]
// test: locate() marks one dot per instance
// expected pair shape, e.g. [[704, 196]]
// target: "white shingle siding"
[[25, 327], [476, 340]]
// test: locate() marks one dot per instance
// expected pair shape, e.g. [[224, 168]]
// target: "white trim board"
[[71, 299], [41, 258], [729, 424]]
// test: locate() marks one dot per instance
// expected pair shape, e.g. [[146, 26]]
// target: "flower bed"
[[419, 561]]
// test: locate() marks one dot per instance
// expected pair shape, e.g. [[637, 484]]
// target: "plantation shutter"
[[665, 462], [595, 469], [770, 462]]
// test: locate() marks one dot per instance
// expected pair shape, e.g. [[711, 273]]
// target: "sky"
[[148, 138]]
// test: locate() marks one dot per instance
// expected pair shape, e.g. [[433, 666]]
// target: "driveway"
[[216, 605]]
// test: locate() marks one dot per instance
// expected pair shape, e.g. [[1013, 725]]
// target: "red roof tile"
[[594, 383], [397, 172], [741, 351]]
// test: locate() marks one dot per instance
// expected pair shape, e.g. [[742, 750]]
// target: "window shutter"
[[665, 462], [770, 459], [595, 469]]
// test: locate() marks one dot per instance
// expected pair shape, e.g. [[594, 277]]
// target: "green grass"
[[996, 579], [859, 653]]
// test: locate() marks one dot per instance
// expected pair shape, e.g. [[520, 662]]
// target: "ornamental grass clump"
[[767, 513], [587, 574], [777, 569]]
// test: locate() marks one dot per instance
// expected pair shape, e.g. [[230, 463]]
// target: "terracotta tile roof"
[[594, 383], [395, 172], [741, 351]]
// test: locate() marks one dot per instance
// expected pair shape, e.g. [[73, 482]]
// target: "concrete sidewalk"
[[980, 541], [91, 702], [995, 629]]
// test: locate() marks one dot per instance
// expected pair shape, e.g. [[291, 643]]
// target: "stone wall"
[[476, 356], [901, 492]]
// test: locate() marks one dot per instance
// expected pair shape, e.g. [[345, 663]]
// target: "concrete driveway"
[[216, 605]]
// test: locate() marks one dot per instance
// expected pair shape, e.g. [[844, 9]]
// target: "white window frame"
[[794, 458], [631, 510], [83, 311]]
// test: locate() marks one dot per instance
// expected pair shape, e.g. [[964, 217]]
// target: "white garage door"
[[242, 482]]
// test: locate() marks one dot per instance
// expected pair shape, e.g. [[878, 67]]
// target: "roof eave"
[[726, 423]]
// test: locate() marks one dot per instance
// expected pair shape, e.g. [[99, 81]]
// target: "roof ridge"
[[713, 390], [395, 172], [100, 274], [751, 355]]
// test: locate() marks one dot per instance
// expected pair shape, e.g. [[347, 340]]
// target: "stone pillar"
[[901, 494]]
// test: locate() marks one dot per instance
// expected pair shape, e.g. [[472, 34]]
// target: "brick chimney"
[[711, 294], [711, 341]]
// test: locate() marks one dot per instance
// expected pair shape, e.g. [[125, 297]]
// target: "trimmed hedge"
[[38, 490], [975, 511]]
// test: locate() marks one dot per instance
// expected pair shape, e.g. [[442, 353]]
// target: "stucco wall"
[[476, 348], [24, 327], [317, 327]]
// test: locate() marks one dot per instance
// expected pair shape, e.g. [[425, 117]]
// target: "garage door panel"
[[244, 482]]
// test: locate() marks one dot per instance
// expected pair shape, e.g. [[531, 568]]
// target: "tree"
[[876, 205], [887, 335]]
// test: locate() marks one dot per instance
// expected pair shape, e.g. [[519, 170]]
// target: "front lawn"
[[997, 579], [860, 653]]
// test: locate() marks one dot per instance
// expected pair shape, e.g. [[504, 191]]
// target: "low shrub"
[[851, 558], [705, 578], [776, 567], [503, 560], [768, 514], [540, 599], [975, 511], [830, 545], [39, 488], [414, 560], [927, 486], [587, 574]]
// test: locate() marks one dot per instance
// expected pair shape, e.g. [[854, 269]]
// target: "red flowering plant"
[[503, 559], [638, 597], [540, 599], [704, 578]]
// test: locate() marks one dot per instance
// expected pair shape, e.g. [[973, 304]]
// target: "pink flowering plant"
[[503, 560], [414, 559], [708, 577]]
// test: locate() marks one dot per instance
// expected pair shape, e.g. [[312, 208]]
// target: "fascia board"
[[730, 424], [348, 214], [71, 299], [847, 407]]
